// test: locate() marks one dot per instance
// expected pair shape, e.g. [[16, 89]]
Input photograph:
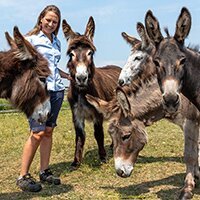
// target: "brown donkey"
[[23, 72], [87, 79]]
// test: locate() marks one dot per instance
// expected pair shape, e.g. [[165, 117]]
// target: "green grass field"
[[158, 174]]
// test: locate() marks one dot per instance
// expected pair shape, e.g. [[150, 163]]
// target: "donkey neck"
[[191, 84], [146, 103]]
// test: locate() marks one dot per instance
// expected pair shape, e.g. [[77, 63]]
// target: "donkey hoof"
[[185, 195], [103, 160], [111, 146], [74, 166]]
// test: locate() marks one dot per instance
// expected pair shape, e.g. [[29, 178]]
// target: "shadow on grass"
[[174, 180], [47, 191], [137, 191], [151, 159], [90, 158]]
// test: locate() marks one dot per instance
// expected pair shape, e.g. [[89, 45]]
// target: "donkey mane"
[[144, 100], [193, 55], [80, 40], [143, 79], [195, 48], [166, 30]]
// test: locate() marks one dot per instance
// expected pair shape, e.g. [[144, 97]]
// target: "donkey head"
[[27, 71], [128, 135], [80, 51], [139, 59], [169, 57]]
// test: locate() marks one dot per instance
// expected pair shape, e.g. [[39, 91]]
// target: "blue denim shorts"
[[56, 99]]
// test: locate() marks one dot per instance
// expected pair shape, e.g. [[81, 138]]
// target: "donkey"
[[130, 113], [23, 72], [87, 79], [177, 66], [139, 65]]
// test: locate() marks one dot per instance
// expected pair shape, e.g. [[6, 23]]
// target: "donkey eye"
[[126, 136], [43, 80], [71, 55], [182, 61], [157, 64], [138, 58], [111, 129], [90, 53]]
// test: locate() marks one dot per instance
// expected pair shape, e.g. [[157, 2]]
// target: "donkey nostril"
[[121, 82], [122, 174], [177, 100], [84, 79], [81, 79], [164, 98], [171, 102], [119, 172]]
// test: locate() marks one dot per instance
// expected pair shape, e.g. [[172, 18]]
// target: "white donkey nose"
[[42, 112]]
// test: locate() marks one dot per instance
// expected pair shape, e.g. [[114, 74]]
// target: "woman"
[[44, 38]]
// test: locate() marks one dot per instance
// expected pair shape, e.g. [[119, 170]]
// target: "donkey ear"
[[183, 25], [143, 35], [25, 49], [10, 41], [123, 101], [67, 30], [153, 28], [90, 28], [101, 105], [130, 40]]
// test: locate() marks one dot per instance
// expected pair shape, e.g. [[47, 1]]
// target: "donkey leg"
[[191, 132], [99, 136], [197, 169], [79, 143], [199, 152]]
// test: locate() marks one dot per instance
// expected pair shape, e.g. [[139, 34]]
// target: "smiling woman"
[[44, 38], [49, 23]]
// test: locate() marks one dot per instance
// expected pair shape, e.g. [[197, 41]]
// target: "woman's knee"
[[38, 135]]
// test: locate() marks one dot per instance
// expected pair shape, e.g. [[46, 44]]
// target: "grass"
[[158, 174], [5, 105]]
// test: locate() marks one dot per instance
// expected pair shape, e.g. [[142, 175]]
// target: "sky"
[[112, 17]]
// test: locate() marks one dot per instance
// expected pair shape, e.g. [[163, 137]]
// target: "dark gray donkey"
[[177, 66]]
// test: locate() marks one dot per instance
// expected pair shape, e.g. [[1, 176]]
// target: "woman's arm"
[[64, 75]]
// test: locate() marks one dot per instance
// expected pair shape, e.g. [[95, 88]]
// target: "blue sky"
[[111, 18]]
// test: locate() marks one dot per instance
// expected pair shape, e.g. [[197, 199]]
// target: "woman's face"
[[49, 23]]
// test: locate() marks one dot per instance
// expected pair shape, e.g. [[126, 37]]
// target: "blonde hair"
[[37, 27]]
